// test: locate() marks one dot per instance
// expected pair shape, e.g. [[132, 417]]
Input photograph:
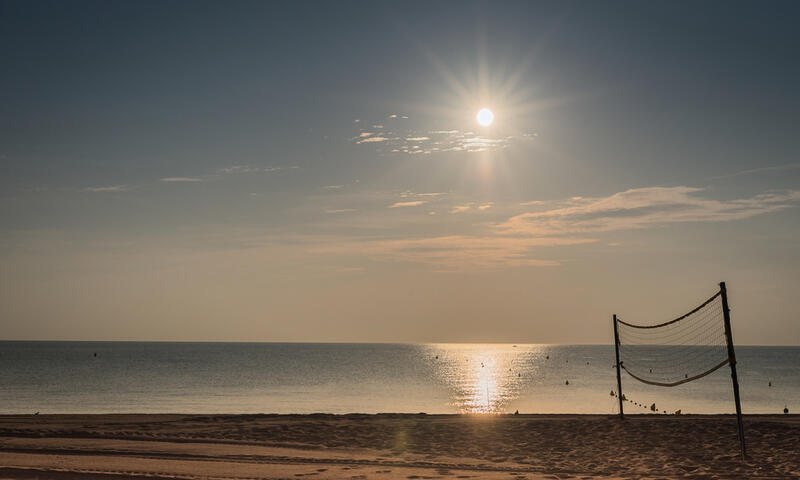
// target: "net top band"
[[677, 319]]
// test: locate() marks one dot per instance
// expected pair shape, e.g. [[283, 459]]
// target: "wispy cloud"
[[408, 194], [333, 187], [456, 252], [233, 169], [181, 179], [398, 138], [109, 188], [372, 140], [523, 239], [341, 210], [407, 204], [775, 168], [644, 207], [471, 206]]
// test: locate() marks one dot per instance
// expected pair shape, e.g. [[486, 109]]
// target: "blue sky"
[[313, 171]]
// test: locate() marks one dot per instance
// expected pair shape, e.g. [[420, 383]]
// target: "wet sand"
[[394, 446]]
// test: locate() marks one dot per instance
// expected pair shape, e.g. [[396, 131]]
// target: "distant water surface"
[[124, 377]]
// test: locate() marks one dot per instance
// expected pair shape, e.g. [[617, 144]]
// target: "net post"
[[619, 377], [732, 362]]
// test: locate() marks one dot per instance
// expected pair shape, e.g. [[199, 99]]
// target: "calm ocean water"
[[67, 377]]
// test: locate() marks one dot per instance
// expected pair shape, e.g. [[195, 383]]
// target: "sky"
[[314, 171]]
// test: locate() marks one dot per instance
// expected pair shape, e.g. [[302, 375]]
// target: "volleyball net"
[[678, 351], [682, 350]]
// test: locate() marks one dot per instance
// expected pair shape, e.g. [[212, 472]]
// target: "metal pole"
[[619, 377], [732, 362]]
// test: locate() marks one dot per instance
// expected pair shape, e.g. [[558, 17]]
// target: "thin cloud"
[[109, 188], [234, 169], [407, 204], [471, 205], [521, 240], [456, 252], [372, 140], [181, 179], [644, 207], [412, 142], [341, 210], [407, 194], [776, 168], [333, 187]]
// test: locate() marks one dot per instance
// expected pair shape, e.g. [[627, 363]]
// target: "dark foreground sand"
[[378, 447]]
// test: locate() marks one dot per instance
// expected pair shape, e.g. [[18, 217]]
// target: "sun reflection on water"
[[485, 378]]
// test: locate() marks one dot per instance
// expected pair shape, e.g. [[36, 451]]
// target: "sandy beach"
[[394, 446]]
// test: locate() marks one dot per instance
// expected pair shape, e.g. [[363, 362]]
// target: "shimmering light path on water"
[[62, 377]]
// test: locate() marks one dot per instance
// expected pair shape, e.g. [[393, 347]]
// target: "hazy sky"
[[314, 171]]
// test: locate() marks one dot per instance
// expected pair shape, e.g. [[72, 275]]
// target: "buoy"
[[437, 357], [547, 357], [677, 412], [785, 409], [611, 393], [519, 374], [685, 375], [95, 354], [770, 383], [651, 370], [653, 408], [517, 411], [567, 382]]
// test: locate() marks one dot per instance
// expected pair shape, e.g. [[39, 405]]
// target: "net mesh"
[[678, 351]]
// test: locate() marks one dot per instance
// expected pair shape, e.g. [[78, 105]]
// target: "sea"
[[161, 377]]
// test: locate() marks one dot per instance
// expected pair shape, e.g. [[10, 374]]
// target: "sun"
[[485, 117]]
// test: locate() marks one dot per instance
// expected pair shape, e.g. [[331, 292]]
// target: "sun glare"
[[485, 117]]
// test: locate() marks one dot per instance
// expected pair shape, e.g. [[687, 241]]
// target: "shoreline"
[[392, 446]]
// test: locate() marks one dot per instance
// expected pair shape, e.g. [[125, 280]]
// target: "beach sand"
[[395, 446]]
